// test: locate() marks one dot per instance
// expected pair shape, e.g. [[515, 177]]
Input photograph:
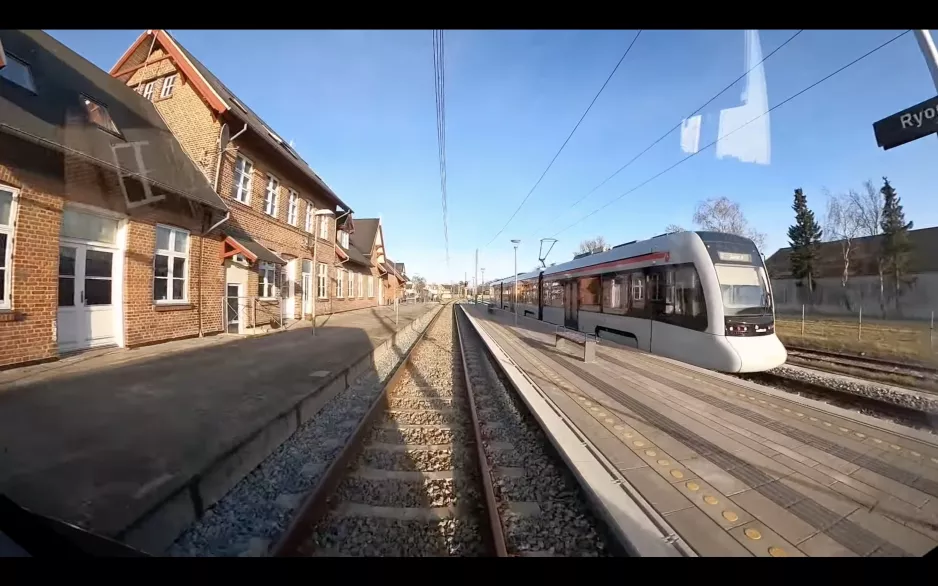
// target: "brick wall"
[[196, 127], [28, 331], [188, 117]]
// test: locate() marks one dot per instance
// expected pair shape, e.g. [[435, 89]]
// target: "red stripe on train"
[[665, 256]]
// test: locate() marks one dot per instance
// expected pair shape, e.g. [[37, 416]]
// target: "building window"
[[98, 115], [268, 280], [170, 265], [148, 90], [19, 72], [270, 196], [324, 228], [361, 288], [168, 85], [339, 282], [7, 214], [343, 239], [243, 171], [309, 217], [293, 206], [371, 286], [322, 280]]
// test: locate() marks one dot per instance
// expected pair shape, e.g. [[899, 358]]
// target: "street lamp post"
[[483, 284], [315, 235], [515, 307]]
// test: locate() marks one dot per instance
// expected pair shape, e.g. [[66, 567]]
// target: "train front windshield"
[[744, 290]]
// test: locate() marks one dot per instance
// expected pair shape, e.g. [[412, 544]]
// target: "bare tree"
[[843, 224], [597, 244], [869, 204], [724, 215], [673, 229]]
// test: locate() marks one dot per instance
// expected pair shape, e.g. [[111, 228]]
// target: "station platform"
[[735, 468]]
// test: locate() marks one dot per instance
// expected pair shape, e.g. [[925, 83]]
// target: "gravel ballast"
[[542, 507], [253, 515], [423, 431]]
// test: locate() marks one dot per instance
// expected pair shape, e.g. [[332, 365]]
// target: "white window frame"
[[340, 283], [309, 218], [324, 228], [148, 90], [169, 83], [371, 286], [361, 288], [6, 301], [264, 269], [271, 195], [242, 191], [322, 281], [171, 254], [293, 208], [343, 239]]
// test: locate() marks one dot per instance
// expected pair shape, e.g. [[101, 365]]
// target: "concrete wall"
[[916, 301]]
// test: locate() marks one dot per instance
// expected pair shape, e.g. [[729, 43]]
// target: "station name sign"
[[908, 125]]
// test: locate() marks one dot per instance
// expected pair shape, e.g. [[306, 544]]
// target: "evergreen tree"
[[894, 253], [805, 239]]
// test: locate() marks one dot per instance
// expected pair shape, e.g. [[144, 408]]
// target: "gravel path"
[[414, 489], [543, 510], [253, 515]]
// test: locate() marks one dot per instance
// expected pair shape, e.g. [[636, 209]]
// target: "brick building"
[[274, 196], [107, 229]]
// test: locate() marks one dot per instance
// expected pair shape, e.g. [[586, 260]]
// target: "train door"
[[570, 305], [655, 304], [540, 296]]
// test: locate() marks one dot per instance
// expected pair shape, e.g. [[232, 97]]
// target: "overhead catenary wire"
[[569, 136], [439, 83], [783, 102], [678, 125]]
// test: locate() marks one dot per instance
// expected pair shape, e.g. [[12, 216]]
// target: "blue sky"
[[360, 107]]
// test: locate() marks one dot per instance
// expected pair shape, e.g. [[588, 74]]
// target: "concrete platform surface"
[[738, 469], [97, 439]]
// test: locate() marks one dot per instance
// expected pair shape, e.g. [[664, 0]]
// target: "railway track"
[[838, 362], [443, 465]]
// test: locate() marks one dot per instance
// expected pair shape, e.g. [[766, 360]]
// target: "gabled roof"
[[355, 255], [830, 263], [400, 268], [56, 117], [222, 100], [363, 238]]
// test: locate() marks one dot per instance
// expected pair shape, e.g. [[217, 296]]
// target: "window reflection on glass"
[[6, 204], [97, 291], [98, 114], [77, 224], [181, 242], [161, 266], [66, 291], [66, 260], [97, 263], [162, 238]]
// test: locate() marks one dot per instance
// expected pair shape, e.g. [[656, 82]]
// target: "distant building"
[[918, 288]]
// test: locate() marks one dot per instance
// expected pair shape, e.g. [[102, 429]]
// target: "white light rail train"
[[699, 297]]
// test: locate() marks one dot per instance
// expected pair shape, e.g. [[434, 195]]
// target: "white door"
[[289, 282], [307, 287], [86, 315]]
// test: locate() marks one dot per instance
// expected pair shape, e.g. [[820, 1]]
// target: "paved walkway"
[[737, 469], [97, 439]]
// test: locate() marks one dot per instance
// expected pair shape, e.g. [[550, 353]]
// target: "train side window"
[[590, 292], [686, 307], [637, 304], [553, 294], [615, 293]]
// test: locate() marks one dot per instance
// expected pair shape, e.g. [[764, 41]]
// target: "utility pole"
[[515, 296], [483, 283]]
